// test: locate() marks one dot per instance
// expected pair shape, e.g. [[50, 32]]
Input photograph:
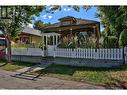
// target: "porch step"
[[26, 76], [26, 73]]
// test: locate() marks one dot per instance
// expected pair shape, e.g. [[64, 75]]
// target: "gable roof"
[[31, 31], [28, 30], [78, 21]]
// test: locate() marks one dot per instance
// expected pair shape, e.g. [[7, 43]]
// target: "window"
[[66, 23], [2, 42]]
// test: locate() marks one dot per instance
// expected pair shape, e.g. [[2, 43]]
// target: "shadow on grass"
[[24, 64], [69, 70], [3, 62]]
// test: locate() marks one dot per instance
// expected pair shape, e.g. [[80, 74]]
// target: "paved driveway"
[[8, 82]]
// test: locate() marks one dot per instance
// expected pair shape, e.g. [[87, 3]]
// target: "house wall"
[[36, 39], [2, 54], [33, 40]]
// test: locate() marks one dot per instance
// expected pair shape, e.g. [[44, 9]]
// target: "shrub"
[[123, 38], [72, 45], [110, 42]]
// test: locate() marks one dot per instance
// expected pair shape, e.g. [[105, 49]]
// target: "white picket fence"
[[111, 54], [27, 51]]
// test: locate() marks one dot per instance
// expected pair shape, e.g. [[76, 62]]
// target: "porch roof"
[[31, 31], [50, 34]]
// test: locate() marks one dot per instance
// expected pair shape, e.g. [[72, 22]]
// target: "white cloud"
[[46, 17], [67, 9], [49, 17]]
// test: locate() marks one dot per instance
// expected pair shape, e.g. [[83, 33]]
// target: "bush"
[[72, 45], [123, 38], [110, 42], [65, 45], [62, 45]]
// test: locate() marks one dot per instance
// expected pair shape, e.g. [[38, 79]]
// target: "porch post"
[[53, 46], [53, 42], [56, 40], [46, 41], [96, 30], [43, 42]]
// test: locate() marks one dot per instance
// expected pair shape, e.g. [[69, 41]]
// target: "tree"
[[39, 25], [123, 38], [113, 18], [20, 16]]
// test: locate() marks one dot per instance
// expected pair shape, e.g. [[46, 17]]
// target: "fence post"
[[96, 54], [123, 55]]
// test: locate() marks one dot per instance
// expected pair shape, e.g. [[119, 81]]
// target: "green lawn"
[[14, 65], [103, 76]]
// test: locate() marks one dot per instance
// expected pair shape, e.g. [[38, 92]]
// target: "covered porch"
[[76, 33]]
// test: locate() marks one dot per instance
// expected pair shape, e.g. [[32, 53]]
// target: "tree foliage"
[[113, 18], [39, 25], [22, 16], [19, 16], [123, 38], [110, 42]]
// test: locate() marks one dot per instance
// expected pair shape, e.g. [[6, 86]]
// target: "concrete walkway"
[[8, 82], [35, 67]]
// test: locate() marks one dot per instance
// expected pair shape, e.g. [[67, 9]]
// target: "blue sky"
[[66, 11]]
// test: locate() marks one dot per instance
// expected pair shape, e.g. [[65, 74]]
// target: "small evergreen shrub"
[[123, 38]]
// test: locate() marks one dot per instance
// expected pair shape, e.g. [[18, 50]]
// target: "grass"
[[15, 65], [101, 76]]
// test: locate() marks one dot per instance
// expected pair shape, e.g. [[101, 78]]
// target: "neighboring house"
[[2, 46], [28, 36], [72, 28], [2, 42]]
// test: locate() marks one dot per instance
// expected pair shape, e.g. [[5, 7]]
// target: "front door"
[[50, 46]]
